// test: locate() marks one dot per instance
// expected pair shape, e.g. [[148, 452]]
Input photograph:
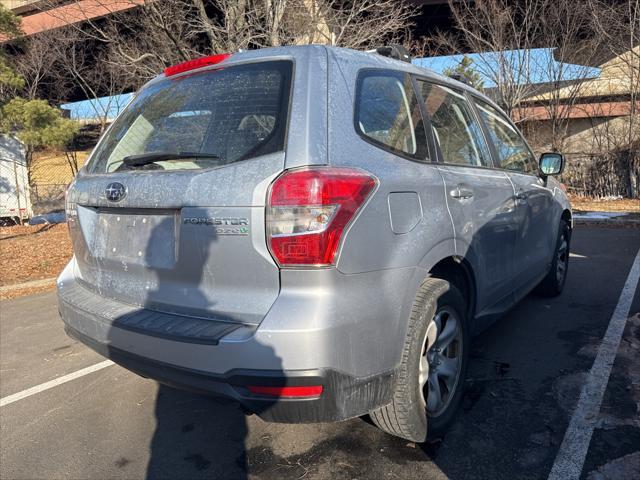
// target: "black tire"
[[406, 416], [553, 284]]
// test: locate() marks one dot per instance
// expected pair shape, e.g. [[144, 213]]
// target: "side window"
[[513, 152], [455, 128], [387, 112]]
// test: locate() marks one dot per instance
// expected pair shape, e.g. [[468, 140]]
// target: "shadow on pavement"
[[196, 436]]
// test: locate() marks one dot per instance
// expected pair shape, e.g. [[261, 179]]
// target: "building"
[[590, 106], [595, 122]]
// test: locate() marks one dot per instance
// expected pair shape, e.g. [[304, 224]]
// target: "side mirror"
[[551, 163]]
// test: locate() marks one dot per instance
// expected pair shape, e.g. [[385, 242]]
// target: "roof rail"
[[395, 51]]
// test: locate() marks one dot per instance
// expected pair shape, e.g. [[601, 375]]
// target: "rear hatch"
[[169, 213]]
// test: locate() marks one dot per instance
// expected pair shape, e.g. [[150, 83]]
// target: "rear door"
[[479, 198], [186, 235], [534, 201]]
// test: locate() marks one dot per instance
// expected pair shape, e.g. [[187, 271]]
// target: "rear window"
[[218, 116]]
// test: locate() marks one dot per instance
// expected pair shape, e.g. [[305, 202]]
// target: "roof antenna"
[[462, 78]]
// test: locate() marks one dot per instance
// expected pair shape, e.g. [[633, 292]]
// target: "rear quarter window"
[[233, 113], [387, 113]]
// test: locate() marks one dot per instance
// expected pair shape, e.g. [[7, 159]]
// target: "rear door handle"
[[521, 196], [462, 191]]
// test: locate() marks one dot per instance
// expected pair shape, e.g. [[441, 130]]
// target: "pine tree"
[[466, 72], [10, 81]]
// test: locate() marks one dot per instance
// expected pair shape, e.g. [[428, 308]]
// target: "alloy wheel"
[[562, 259], [441, 362]]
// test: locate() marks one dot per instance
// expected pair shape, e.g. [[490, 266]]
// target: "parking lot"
[[526, 374]]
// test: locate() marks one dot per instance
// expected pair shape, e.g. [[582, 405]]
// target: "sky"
[[541, 65], [542, 68]]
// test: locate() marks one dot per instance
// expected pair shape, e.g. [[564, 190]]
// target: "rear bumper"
[[350, 344], [342, 397]]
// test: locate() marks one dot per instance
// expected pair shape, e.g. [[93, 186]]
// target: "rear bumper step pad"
[[142, 320]]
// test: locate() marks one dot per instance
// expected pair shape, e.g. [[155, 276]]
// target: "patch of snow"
[[599, 215]]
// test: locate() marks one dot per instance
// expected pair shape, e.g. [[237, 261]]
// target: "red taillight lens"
[[195, 63], [287, 392], [309, 209]]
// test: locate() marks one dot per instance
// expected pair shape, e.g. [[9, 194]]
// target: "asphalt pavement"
[[526, 373]]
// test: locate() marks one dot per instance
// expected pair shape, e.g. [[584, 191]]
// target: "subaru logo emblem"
[[115, 191]]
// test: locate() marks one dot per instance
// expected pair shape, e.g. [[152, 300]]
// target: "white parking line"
[[573, 450], [53, 383]]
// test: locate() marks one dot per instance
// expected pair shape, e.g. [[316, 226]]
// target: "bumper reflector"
[[287, 392]]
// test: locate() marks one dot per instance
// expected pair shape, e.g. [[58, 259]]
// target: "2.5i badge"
[[223, 225]]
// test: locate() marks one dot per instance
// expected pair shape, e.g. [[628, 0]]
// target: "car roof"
[[364, 59], [375, 60]]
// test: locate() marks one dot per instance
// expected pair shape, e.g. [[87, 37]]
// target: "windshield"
[[220, 116]]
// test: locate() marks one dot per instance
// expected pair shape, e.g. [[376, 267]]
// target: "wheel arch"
[[567, 217], [458, 271]]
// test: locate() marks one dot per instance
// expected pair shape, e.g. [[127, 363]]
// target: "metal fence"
[[615, 174], [48, 197]]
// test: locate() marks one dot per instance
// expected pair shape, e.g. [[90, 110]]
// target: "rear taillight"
[[308, 210], [69, 206]]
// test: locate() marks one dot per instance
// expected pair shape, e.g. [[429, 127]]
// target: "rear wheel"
[[434, 361], [553, 284]]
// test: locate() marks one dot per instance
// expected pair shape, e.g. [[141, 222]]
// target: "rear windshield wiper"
[[146, 158]]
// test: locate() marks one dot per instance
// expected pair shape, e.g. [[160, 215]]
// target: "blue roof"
[[98, 108]]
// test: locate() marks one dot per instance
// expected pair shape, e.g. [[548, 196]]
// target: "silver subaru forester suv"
[[314, 232]]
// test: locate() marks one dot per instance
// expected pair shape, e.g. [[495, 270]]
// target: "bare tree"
[[264, 23], [145, 39], [36, 63], [618, 26], [502, 33], [609, 163], [566, 30], [143, 42], [137, 38], [604, 159], [366, 23], [73, 69]]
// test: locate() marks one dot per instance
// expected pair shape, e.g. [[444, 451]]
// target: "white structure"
[[15, 201]]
